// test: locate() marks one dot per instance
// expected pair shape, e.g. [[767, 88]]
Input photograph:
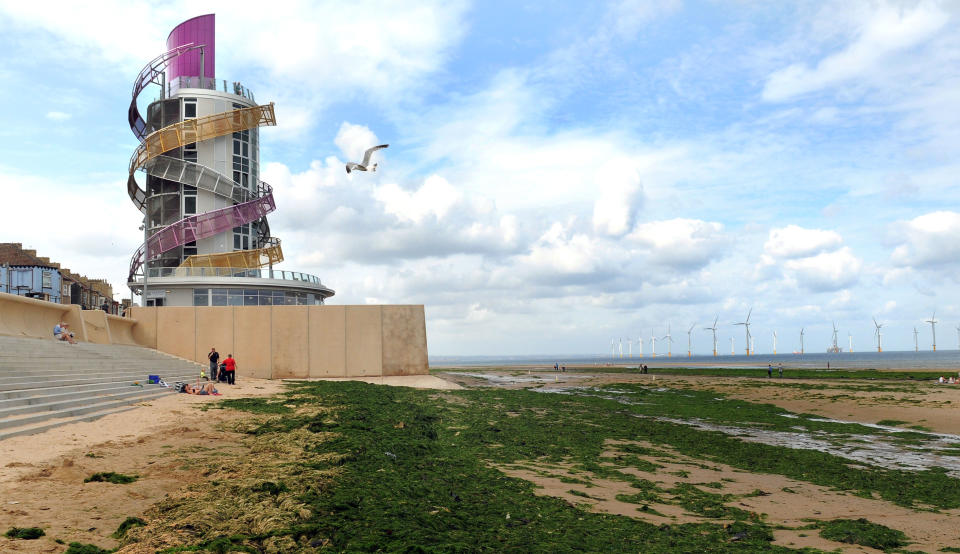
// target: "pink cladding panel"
[[199, 30]]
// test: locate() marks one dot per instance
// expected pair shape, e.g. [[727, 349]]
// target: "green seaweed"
[[24, 533], [127, 525], [111, 477], [80, 548], [863, 532]]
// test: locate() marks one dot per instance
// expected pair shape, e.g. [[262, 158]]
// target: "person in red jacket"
[[230, 366]]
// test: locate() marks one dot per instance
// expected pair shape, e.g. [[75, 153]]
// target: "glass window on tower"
[[189, 200], [189, 108], [241, 157], [190, 152]]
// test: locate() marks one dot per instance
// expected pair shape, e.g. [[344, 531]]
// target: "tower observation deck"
[[207, 241]]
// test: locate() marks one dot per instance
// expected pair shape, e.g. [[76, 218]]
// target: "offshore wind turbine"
[[714, 329], [690, 330], [879, 334], [613, 349], [801, 341], [731, 346], [640, 343], [621, 348], [653, 347], [916, 340], [774, 342], [849, 342], [835, 348], [669, 339], [746, 325], [933, 327], [630, 347]]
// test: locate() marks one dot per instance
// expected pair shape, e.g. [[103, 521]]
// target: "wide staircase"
[[47, 383]]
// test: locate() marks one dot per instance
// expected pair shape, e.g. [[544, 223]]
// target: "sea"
[[925, 359]]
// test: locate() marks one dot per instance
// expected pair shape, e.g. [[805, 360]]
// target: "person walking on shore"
[[231, 369], [769, 371], [214, 358]]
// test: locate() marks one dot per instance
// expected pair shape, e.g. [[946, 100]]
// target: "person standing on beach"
[[780, 370], [769, 371], [231, 369], [214, 357]]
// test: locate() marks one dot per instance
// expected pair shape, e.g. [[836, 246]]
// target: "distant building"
[[24, 273]]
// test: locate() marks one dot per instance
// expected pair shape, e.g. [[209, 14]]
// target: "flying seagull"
[[366, 160]]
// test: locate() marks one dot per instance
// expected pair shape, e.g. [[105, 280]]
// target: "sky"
[[560, 174]]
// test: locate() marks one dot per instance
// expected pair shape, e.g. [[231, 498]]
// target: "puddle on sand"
[[499, 379], [868, 449], [875, 450]]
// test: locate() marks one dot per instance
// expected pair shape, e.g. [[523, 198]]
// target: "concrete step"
[[89, 408], [81, 379], [66, 362], [45, 383], [130, 391], [39, 427], [32, 397]]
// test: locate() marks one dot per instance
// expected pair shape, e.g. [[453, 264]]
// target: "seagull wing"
[[354, 166], [370, 151]]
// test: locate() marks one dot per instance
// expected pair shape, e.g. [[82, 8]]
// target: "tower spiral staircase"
[[152, 157]]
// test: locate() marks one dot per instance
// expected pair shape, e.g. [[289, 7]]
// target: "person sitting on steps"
[[60, 332]]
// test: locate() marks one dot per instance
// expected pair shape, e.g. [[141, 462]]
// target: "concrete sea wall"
[[273, 342]]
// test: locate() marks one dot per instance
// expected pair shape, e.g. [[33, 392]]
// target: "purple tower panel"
[[199, 30]]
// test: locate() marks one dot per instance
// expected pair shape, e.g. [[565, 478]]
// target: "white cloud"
[[560, 251], [890, 29], [928, 241], [827, 271], [680, 243], [620, 195], [794, 241], [58, 116], [435, 198]]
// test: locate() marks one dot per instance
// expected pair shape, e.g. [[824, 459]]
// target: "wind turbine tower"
[[630, 348], [774, 342], [801, 341], [621, 348], [879, 334], [916, 340], [640, 344], [669, 339], [613, 349], [746, 325], [849, 342], [653, 347], [731, 347], [835, 348], [714, 329], [933, 327], [690, 330]]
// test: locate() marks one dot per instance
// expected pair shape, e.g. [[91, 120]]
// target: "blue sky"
[[559, 174]]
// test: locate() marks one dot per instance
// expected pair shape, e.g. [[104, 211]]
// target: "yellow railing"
[[248, 259], [202, 128]]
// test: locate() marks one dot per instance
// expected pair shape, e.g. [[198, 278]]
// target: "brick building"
[[24, 273]]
